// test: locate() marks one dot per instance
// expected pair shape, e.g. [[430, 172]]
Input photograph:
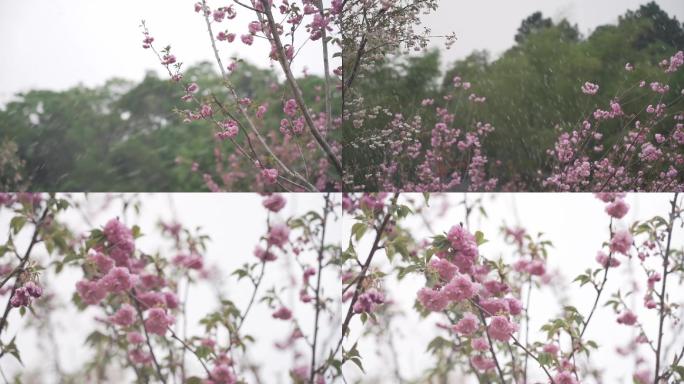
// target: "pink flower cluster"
[[463, 281], [116, 272], [368, 301], [24, 295]]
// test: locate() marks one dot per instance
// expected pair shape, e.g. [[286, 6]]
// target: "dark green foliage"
[[125, 136], [533, 89]]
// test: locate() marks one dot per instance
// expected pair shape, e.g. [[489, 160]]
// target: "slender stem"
[[187, 347], [364, 269], [257, 283], [326, 209], [662, 313], [491, 346], [20, 268], [160, 376], [599, 291], [224, 76], [299, 98]]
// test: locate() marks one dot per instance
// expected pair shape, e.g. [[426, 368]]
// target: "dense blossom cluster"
[[119, 280], [648, 156], [451, 159], [463, 280]]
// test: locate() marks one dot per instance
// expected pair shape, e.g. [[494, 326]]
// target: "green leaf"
[[437, 344], [17, 223], [358, 230], [479, 238], [679, 370]]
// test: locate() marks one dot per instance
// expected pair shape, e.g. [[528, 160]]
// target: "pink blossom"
[[270, 175], [465, 247], [501, 329], [158, 321], [261, 111], [222, 374], [459, 288], [151, 299], [621, 241], [467, 325], [482, 363], [643, 376], [247, 39], [278, 235], [124, 317], [206, 111], [274, 202], [515, 306], [602, 259], [168, 59], [263, 254], [192, 88], [290, 107], [104, 263], [135, 337], [617, 209], [432, 300], [551, 348], [564, 377], [494, 306], [90, 291], [171, 300], [282, 313], [118, 279], [627, 318], [479, 344], [590, 88], [120, 239], [536, 267], [139, 356], [368, 300], [444, 268]]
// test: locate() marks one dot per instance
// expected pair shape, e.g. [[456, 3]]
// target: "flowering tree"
[[302, 155], [139, 304], [482, 307], [438, 143]]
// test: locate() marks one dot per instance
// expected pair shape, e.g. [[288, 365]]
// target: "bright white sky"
[[235, 223], [577, 226], [492, 24], [56, 44]]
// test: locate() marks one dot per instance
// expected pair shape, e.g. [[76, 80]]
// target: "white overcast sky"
[[56, 44], [577, 226], [492, 24], [235, 223]]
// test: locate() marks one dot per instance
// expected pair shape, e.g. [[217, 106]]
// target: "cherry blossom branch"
[[244, 114], [299, 98], [20, 267], [364, 269], [326, 211], [599, 291], [517, 343], [147, 338], [491, 345]]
